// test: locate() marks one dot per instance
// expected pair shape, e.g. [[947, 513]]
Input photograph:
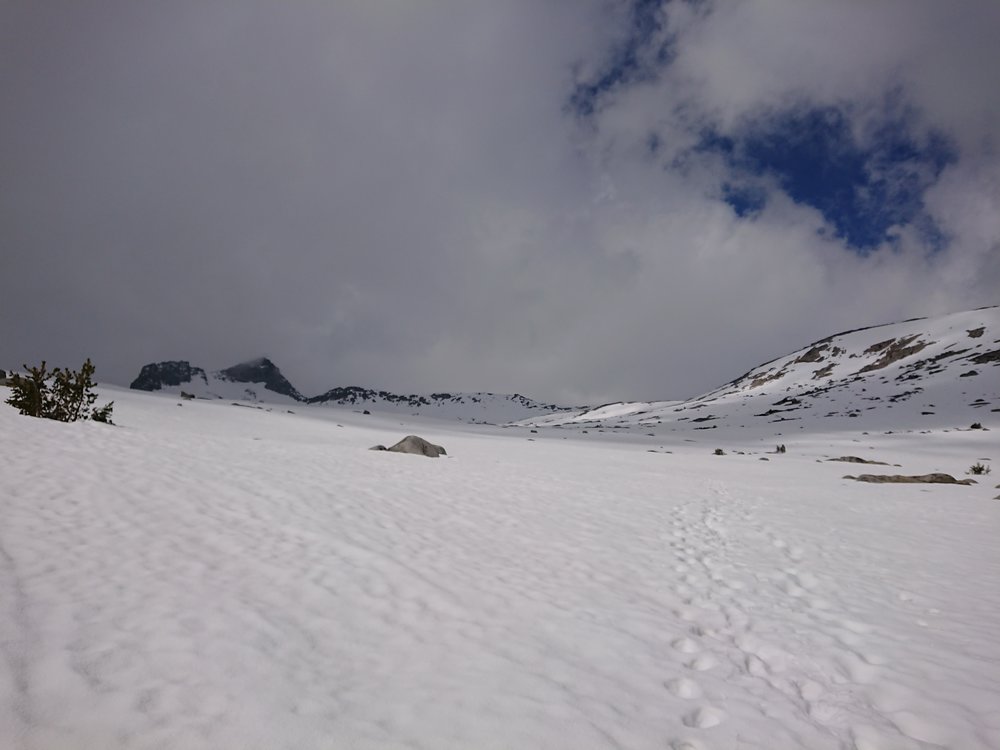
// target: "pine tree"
[[69, 398], [29, 394]]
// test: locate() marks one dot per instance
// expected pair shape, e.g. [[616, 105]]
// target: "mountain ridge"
[[260, 380], [940, 367], [860, 373]]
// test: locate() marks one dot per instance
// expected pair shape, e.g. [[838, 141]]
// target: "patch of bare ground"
[[893, 350]]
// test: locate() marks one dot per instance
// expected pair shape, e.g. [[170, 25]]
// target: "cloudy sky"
[[580, 200]]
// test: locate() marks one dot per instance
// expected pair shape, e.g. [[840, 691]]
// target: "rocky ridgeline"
[[261, 380], [914, 374]]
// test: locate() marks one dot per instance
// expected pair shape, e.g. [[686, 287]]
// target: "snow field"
[[212, 576]]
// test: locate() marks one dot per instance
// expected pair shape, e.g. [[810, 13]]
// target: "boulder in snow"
[[418, 446]]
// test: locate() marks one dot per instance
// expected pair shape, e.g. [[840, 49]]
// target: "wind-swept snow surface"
[[217, 576]]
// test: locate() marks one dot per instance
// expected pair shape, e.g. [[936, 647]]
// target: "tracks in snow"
[[763, 620], [184, 593]]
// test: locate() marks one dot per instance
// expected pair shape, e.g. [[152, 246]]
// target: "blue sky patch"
[[626, 63], [861, 190], [746, 200]]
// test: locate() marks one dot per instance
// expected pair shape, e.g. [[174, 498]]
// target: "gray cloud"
[[397, 195]]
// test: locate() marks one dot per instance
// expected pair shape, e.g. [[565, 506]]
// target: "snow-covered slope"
[[918, 374], [210, 577]]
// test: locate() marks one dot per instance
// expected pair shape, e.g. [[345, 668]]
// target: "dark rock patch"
[[769, 412], [788, 401], [986, 357], [823, 372], [764, 379], [935, 478], [813, 355], [265, 372], [857, 460], [876, 348], [893, 351], [156, 375]]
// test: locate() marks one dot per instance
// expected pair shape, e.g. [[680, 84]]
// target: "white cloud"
[[396, 196]]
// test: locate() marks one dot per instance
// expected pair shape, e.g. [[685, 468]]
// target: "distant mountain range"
[[261, 380], [919, 373]]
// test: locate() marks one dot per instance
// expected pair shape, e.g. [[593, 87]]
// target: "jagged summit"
[[262, 370], [254, 380]]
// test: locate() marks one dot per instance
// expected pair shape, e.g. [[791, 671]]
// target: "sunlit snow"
[[205, 575]]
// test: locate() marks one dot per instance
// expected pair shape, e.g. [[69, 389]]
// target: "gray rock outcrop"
[[264, 371], [417, 446], [155, 376]]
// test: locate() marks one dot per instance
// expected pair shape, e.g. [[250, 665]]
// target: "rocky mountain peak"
[[156, 375], [262, 370]]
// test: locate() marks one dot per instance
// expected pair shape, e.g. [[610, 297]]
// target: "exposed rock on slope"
[[245, 381], [265, 372], [925, 372], [935, 478], [156, 376], [492, 407]]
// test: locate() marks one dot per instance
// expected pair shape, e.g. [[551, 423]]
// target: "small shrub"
[[719, 452], [978, 469], [976, 426], [68, 397], [103, 414]]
